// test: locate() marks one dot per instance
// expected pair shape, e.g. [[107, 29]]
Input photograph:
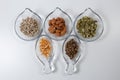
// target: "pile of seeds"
[[29, 27], [57, 26], [71, 48], [86, 26]]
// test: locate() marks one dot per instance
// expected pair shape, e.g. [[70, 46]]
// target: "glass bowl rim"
[[83, 39], [56, 39], [79, 41], [41, 29]]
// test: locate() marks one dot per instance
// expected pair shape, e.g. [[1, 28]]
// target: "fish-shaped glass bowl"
[[68, 22], [71, 63], [47, 62], [100, 27], [23, 15]]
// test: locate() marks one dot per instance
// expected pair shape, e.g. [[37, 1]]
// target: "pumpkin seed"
[[87, 27]]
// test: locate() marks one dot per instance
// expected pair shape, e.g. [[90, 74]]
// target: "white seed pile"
[[29, 27]]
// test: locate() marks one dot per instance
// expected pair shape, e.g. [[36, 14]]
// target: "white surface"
[[17, 57]]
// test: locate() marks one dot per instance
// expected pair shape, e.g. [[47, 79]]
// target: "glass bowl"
[[71, 63], [48, 66], [68, 22], [100, 27], [23, 15]]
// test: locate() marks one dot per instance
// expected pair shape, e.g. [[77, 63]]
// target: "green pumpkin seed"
[[86, 26]]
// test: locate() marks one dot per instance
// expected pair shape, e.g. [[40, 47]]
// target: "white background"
[[17, 57]]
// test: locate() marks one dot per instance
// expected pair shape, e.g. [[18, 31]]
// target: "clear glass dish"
[[48, 66], [90, 13], [68, 22], [71, 63], [23, 15]]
